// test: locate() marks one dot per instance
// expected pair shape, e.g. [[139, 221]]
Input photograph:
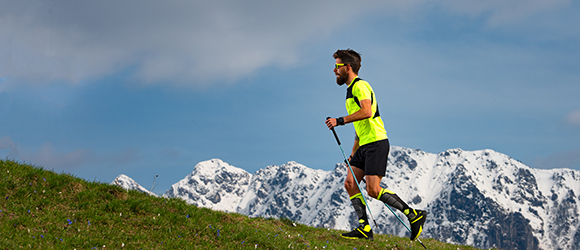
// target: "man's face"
[[340, 72]]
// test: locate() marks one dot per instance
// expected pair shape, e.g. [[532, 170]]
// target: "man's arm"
[[364, 112]]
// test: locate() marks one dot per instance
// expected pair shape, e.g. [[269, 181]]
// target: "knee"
[[349, 184]]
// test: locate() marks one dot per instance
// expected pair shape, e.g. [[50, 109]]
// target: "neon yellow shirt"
[[371, 129]]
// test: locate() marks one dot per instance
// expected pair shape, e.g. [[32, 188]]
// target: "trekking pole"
[[392, 211], [353, 176]]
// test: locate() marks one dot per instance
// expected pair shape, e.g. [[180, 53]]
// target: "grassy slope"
[[44, 210]]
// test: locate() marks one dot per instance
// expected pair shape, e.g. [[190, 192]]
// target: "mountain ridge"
[[481, 198]]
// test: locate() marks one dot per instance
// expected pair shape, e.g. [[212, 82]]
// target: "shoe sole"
[[364, 235], [355, 238]]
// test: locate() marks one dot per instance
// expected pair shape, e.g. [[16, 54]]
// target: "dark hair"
[[349, 57]]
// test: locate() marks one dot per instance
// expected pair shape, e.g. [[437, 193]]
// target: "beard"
[[341, 78]]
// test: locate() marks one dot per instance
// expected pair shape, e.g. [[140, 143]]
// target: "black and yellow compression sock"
[[360, 207], [390, 198]]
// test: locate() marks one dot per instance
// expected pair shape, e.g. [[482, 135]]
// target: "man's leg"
[[349, 182], [364, 230], [355, 195], [389, 197], [416, 217], [374, 185]]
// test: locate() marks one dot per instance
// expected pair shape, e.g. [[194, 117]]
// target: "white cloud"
[[573, 118], [48, 156], [185, 42], [502, 12], [6, 142], [173, 41], [9, 148]]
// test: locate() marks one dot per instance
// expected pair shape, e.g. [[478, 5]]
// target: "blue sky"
[[145, 88]]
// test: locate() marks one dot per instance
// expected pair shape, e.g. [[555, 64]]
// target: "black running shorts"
[[372, 157]]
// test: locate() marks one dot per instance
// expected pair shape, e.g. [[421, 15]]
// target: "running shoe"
[[361, 232], [417, 219]]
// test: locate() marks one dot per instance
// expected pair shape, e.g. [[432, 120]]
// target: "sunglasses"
[[336, 65]]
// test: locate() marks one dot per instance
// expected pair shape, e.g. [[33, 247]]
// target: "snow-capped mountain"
[[480, 198], [308, 196], [213, 184], [127, 183]]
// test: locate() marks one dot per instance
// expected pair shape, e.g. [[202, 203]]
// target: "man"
[[371, 147]]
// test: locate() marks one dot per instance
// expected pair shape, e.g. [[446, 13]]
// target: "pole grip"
[[334, 132]]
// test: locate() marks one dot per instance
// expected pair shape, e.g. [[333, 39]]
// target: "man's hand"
[[349, 158], [331, 123]]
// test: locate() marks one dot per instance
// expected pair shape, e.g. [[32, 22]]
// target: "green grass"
[[41, 209]]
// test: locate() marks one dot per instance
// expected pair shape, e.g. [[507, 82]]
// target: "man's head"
[[349, 57], [347, 65]]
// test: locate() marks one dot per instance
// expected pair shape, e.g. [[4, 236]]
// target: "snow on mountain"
[[294, 191], [213, 184], [481, 198], [127, 183]]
